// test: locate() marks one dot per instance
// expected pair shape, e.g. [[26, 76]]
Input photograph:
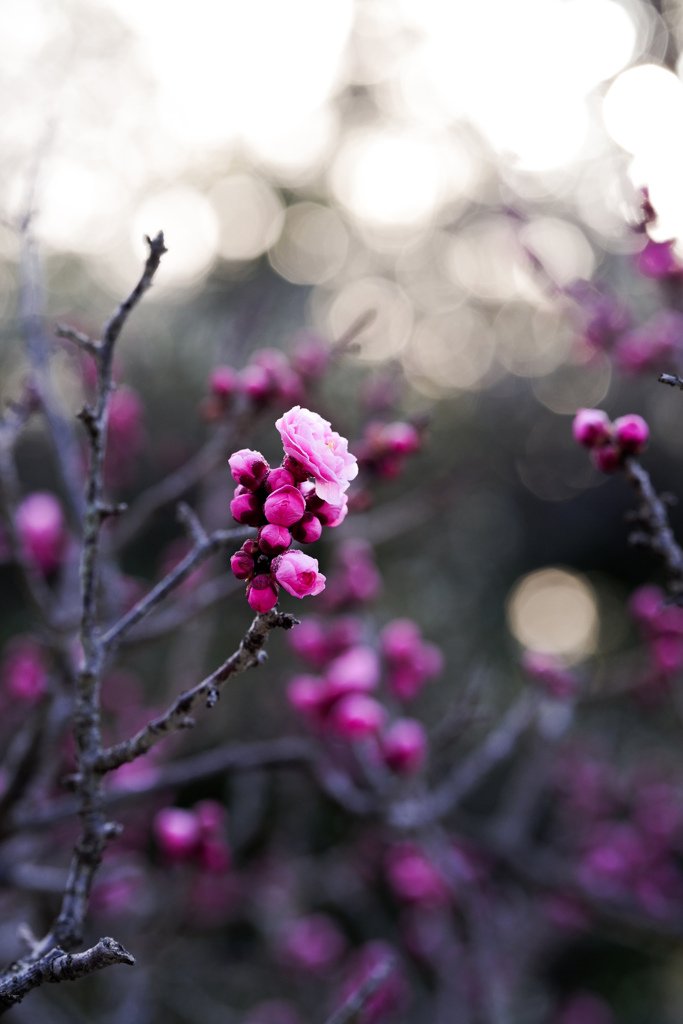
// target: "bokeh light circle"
[[555, 612]]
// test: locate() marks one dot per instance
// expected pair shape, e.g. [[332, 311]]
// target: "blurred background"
[[452, 166]]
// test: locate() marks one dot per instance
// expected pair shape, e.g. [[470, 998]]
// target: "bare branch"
[[82, 340], [248, 655], [498, 745], [653, 517], [205, 546], [57, 966], [355, 1003]]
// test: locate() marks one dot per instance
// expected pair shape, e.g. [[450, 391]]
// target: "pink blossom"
[[310, 441], [242, 565], [298, 574], [607, 459], [329, 515], [658, 260], [40, 525], [400, 639], [308, 695]]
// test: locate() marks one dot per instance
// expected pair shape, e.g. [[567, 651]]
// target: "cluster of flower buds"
[[23, 670], [291, 502], [627, 834], [661, 628], [194, 836], [550, 674], [340, 700], [270, 377], [386, 446], [610, 443], [41, 531]]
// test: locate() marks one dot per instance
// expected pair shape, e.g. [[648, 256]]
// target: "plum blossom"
[[298, 574], [309, 440]]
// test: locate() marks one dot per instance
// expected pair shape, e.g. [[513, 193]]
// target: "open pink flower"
[[298, 574], [310, 441]]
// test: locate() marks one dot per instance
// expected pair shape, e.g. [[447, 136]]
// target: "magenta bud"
[[401, 438], [285, 506], [251, 547], [279, 477], [630, 433], [177, 833], [262, 593], [308, 529], [400, 639], [223, 381], [255, 383], [591, 428], [607, 459], [41, 530], [242, 565], [404, 746], [357, 716], [308, 695], [273, 539], [248, 468], [247, 509]]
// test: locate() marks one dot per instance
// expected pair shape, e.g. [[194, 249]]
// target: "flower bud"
[[246, 508], [285, 506], [308, 695], [630, 433], [308, 529], [177, 833], [273, 539], [40, 525], [357, 716], [262, 593], [248, 468], [279, 477], [607, 459], [223, 381], [242, 565], [401, 438], [404, 746], [23, 671], [591, 428], [356, 670]]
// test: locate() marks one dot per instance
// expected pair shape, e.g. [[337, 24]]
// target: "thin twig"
[[657, 533], [204, 547], [497, 746], [56, 966], [350, 1010], [249, 655]]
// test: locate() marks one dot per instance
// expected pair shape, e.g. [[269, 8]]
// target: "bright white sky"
[[221, 87]]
